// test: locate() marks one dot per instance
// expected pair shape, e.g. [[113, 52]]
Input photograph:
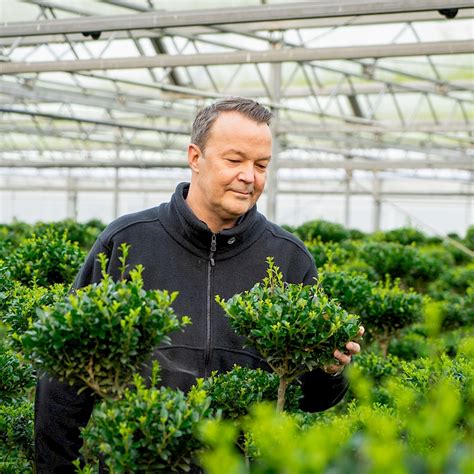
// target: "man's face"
[[230, 175]]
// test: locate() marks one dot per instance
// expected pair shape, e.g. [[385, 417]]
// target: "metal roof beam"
[[152, 188], [283, 163], [245, 57], [222, 16], [244, 28], [107, 123], [100, 140], [119, 102]]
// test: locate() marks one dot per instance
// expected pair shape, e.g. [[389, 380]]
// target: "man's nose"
[[247, 174]]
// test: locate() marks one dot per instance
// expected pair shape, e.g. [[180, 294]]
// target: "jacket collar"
[[194, 234]]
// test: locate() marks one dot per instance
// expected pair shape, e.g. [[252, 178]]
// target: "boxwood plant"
[[295, 327], [101, 334], [148, 429], [46, 259], [235, 391]]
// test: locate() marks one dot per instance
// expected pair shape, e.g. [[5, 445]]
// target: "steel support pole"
[[71, 210], [272, 184], [377, 209], [347, 199], [469, 205], [116, 191]]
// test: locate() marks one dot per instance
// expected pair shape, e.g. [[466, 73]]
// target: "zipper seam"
[[209, 303]]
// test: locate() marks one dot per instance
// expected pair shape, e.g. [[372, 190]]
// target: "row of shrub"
[[410, 404]]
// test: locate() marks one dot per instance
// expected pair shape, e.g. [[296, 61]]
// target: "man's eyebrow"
[[235, 152], [243, 155]]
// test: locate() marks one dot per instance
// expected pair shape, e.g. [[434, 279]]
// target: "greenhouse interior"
[[337, 340], [372, 104]]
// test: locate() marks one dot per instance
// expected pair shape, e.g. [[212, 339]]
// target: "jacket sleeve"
[[59, 414], [59, 411], [321, 390]]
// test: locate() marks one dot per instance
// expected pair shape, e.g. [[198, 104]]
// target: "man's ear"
[[194, 153]]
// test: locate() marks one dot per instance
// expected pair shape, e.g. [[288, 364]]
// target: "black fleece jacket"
[[179, 252]]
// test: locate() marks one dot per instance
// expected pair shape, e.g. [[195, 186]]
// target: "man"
[[209, 239]]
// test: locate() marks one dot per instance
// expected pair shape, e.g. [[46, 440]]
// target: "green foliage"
[[15, 375], [376, 367], [148, 430], [384, 308], [235, 391], [456, 279], [295, 327], [411, 411], [85, 234], [45, 259], [18, 309], [458, 311], [324, 230], [402, 235], [420, 433], [391, 308], [100, 335], [410, 345], [15, 232], [459, 255], [324, 252], [408, 263], [16, 437], [469, 237]]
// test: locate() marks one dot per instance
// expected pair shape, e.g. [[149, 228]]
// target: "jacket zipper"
[[212, 263]]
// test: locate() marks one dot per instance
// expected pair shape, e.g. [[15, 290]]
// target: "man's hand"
[[344, 358]]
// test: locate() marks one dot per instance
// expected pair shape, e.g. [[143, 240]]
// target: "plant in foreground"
[[99, 336], [295, 327], [148, 429], [235, 391]]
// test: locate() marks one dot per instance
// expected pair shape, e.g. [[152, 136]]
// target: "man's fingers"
[[344, 359], [333, 369], [353, 348]]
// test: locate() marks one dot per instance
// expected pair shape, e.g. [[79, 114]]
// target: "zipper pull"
[[213, 249]]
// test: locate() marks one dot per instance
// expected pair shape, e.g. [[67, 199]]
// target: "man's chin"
[[237, 210]]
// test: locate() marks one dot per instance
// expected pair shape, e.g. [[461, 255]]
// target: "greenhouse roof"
[[353, 85]]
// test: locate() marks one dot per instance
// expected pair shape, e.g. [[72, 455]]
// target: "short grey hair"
[[207, 116]]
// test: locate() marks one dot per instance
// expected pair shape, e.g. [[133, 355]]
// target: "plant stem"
[[281, 393]]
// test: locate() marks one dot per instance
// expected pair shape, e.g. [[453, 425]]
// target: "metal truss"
[[75, 85]]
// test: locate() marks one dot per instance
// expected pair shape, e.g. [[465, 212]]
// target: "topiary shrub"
[[148, 429], [324, 230], [233, 392], [384, 308], [99, 336], [402, 235], [458, 311], [456, 279], [16, 376], [410, 345], [45, 259], [85, 234], [16, 437], [295, 327], [414, 267], [20, 303], [324, 252]]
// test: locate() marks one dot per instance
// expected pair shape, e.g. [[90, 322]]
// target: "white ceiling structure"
[[381, 90]]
